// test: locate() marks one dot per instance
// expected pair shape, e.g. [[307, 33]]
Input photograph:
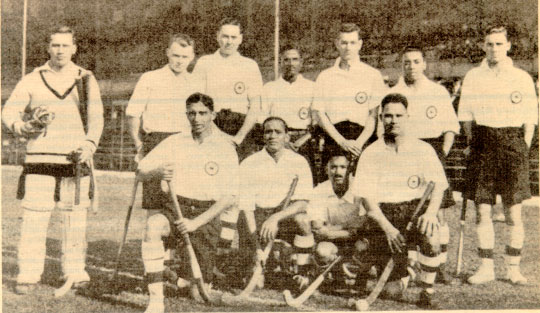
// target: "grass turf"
[[104, 234]]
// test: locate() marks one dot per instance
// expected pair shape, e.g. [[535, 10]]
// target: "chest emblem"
[[413, 182], [431, 112], [303, 114], [361, 97], [211, 168], [239, 88], [516, 97]]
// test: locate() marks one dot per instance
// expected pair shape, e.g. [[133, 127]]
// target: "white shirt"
[[265, 182], [205, 171], [385, 175], [325, 206], [348, 95], [430, 109], [231, 81], [160, 97], [290, 101], [66, 131], [504, 98]]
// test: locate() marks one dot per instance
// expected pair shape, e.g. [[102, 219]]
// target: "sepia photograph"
[[269, 155]]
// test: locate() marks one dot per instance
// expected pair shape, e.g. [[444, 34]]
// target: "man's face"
[[200, 117], [394, 118], [291, 64], [229, 39], [348, 45], [496, 47], [179, 57], [61, 49], [337, 170], [275, 136], [413, 65]]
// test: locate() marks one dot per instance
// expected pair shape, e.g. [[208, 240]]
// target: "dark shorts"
[[437, 144], [498, 164], [230, 123], [204, 240], [398, 214], [152, 194]]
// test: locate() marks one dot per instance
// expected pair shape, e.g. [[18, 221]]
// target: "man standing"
[[394, 173], [290, 98], [62, 122], [500, 100], [156, 109], [235, 83], [266, 177], [203, 167], [431, 118], [347, 96]]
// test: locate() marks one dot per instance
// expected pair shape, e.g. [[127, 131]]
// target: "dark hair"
[[276, 118], [349, 28], [336, 153], [413, 48], [290, 46], [202, 98], [183, 40], [496, 29], [394, 98], [63, 29], [230, 21]]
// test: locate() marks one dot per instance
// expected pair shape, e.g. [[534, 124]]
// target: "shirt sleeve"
[[319, 95], [255, 84], [378, 92], [530, 102], [365, 182], [15, 105], [161, 154], [247, 192], [139, 99], [434, 169], [304, 188], [267, 98], [95, 112], [199, 74], [228, 185], [449, 117], [466, 100]]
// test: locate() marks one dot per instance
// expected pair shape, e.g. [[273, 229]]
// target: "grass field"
[[104, 233]]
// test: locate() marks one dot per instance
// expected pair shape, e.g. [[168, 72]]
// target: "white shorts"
[[39, 193]]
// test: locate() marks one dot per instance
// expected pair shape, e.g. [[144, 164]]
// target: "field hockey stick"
[[194, 264], [363, 304], [298, 301], [259, 267], [461, 236]]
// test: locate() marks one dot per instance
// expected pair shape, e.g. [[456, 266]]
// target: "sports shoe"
[[515, 277], [425, 301], [482, 276], [24, 288]]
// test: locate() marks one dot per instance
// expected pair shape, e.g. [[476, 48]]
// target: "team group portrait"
[[276, 155]]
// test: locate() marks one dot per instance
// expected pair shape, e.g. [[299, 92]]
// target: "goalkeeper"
[[61, 115]]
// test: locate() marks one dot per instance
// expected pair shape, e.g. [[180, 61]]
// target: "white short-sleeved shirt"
[[430, 109], [290, 101], [325, 206], [504, 98], [385, 175], [58, 92], [160, 98], [348, 95], [231, 81], [265, 182], [205, 171]]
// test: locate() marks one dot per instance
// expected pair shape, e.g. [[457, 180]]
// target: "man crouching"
[[203, 167]]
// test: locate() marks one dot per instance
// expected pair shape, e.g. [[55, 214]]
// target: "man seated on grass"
[[203, 167]]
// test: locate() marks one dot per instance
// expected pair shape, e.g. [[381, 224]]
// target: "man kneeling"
[[392, 176], [203, 167]]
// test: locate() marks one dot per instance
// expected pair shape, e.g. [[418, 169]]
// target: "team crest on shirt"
[[211, 168], [303, 114], [431, 112], [516, 97], [239, 88], [361, 97], [414, 181]]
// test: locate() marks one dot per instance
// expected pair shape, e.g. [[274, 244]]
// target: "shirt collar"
[[234, 55], [298, 79], [403, 147], [70, 67], [170, 72], [504, 64], [354, 63], [421, 82]]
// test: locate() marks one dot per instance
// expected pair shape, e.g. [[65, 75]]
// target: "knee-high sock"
[[484, 231], [74, 242], [228, 221], [429, 264], [515, 244], [31, 250], [153, 254], [303, 246], [444, 233]]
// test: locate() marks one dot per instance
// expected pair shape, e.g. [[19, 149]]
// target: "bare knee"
[[303, 223], [325, 252], [430, 246], [157, 226]]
